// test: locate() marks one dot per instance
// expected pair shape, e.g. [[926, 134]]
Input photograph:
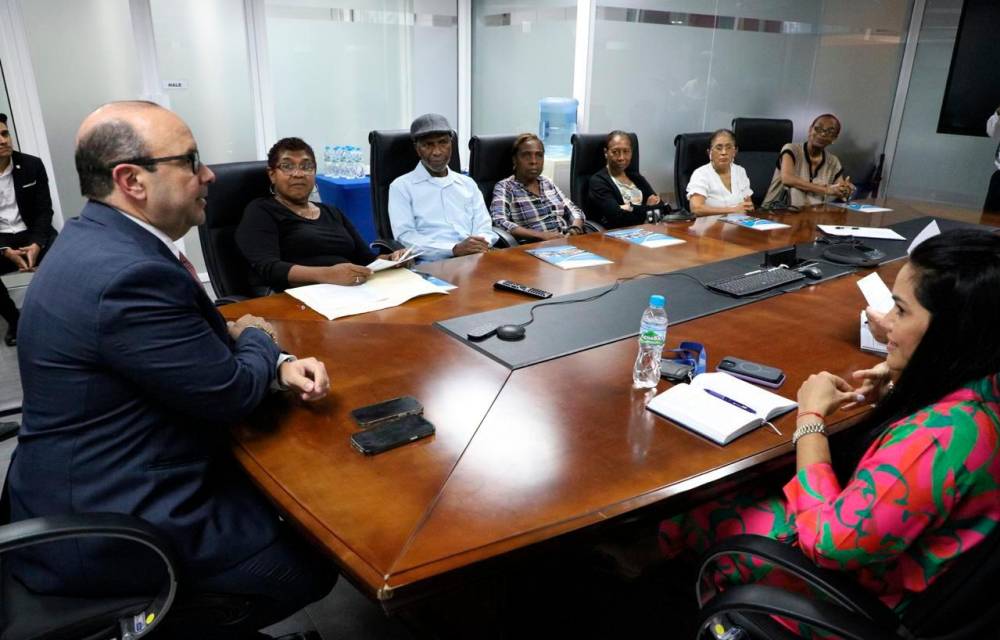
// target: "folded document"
[[389, 288]]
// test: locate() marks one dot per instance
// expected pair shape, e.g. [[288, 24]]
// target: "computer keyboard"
[[750, 284]]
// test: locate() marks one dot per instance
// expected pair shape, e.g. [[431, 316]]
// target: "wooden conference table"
[[525, 456]]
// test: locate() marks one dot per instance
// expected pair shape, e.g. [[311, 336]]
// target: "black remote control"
[[507, 285], [481, 332]]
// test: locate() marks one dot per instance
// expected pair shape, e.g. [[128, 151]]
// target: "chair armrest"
[[100, 525], [593, 227], [224, 300], [506, 239], [839, 586], [767, 600], [386, 245]]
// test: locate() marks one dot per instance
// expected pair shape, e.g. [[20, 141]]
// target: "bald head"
[[118, 131]]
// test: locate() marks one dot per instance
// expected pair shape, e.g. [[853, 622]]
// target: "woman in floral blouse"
[[926, 481]]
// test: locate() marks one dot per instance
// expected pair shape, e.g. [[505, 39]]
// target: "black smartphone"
[[752, 371], [392, 434], [379, 412]]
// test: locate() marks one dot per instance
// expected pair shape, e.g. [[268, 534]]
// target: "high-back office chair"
[[690, 152], [759, 141], [392, 155], [588, 159], [236, 184], [24, 614], [489, 163], [961, 604]]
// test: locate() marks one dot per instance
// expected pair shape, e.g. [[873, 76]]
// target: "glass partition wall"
[[668, 67]]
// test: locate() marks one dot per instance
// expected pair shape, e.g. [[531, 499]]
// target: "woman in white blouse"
[[720, 186]]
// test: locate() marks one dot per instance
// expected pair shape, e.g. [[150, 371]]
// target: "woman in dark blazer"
[[613, 192]]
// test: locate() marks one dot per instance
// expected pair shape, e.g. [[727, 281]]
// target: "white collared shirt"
[[164, 238], [705, 181], [435, 214], [993, 131], [10, 215]]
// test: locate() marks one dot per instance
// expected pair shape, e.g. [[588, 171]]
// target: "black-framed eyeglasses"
[[290, 168], [192, 157], [829, 132]]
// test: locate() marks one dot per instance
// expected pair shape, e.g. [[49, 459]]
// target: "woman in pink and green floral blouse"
[[926, 481]]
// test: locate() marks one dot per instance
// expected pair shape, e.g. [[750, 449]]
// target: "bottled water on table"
[[652, 337]]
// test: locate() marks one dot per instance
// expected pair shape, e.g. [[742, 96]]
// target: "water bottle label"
[[652, 335]]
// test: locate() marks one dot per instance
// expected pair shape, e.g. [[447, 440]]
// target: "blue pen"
[[739, 405], [735, 403]]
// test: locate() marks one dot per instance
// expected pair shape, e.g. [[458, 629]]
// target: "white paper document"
[[859, 207], [860, 232], [876, 293], [928, 232], [868, 341], [383, 290]]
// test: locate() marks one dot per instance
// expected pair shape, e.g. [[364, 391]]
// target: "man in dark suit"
[[25, 219], [130, 378]]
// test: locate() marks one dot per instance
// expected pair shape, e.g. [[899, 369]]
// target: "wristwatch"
[[806, 429]]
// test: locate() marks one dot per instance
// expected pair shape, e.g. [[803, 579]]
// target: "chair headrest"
[[393, 154], [236, 184], [489, 157], [762, 134], [692, 150], [588, 153]]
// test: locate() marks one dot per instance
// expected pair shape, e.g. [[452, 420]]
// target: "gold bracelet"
[[806, 429]]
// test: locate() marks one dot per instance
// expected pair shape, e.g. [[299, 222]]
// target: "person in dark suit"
[[25, 219], [130, 378], [613, 192]]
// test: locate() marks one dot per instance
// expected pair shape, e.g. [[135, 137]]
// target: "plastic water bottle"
[[328, 160], [652, 337], [356, 170]]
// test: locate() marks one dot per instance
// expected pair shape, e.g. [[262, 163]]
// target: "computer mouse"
[[510, 332], [812, 271]]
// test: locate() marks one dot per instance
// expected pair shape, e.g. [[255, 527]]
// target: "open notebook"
[[710, 406]]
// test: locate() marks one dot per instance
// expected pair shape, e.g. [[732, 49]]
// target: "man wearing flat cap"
[[434, 209]]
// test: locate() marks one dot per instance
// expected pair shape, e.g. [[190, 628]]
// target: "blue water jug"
[[556, 125]]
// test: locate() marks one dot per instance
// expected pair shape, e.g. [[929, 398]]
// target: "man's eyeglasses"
[[192, 158], [829, 132], [289, 168]]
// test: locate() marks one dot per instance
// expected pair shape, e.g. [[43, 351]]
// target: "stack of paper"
[[385, 289], [879, 233], [644, 237], [859, 207], [750, 222], [568, 257]]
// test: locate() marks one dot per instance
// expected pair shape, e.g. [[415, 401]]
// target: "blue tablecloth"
[[353, 197]]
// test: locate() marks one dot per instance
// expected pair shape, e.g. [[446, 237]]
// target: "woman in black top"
[[290, 241], [612, 192]]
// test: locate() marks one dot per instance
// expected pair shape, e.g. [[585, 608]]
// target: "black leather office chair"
[[489, 163], [759, 141], [690, 152], [588, 159], [392, 155], [236, 184], [27, 615], [961, 604]]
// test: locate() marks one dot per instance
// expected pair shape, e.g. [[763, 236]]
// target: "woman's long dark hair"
[[957, 279]]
